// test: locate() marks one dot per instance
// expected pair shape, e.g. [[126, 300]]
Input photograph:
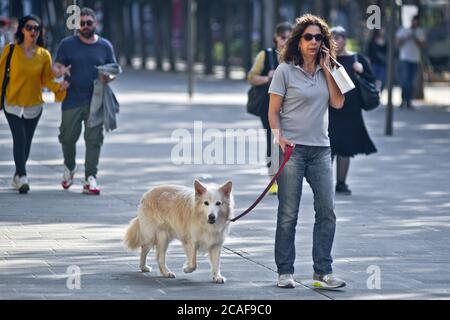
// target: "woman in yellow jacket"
[[30, 71]]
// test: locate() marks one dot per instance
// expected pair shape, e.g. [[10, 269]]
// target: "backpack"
[[257, 94]]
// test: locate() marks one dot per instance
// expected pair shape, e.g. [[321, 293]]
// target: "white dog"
[[199, 218]]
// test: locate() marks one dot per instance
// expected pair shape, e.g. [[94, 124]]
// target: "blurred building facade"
[[152, 34]]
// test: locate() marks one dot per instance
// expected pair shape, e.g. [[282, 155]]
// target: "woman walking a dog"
[[301, 91]]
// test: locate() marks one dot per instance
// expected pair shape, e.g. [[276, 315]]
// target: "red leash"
[[287, 155]]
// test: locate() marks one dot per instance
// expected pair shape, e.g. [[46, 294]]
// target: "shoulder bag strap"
[[6, 76], [269, 52]]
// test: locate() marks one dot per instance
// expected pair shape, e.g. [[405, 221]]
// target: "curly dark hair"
[[291, 52], [19, 36]]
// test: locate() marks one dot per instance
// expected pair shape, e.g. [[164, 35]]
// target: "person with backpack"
[[25, 68], [261, 75]]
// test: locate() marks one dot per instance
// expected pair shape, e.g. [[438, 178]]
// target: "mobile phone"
[[321, 49]]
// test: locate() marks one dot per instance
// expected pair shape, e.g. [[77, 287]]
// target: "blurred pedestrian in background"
[[348, 133], [30, 71], [4, 32], [377, 54], [410, 41], [77, 57], [261, 75]]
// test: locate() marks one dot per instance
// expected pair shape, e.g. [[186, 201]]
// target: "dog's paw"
[[188, 269], [146, 269], [219, 279], [169, 275]]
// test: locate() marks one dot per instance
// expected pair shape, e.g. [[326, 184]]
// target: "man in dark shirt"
[[77, 58]]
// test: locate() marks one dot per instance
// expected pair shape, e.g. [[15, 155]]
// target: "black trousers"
[[264, 116], [22, 131]]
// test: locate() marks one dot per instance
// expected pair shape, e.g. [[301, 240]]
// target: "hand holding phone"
[[324, 57], [321, 49]]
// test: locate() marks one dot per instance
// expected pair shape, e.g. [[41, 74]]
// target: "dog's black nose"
[[211, 218]]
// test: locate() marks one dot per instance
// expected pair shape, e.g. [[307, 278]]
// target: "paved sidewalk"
[[397, 221]]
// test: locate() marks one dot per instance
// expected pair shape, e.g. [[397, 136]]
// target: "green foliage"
[[352, 45], [218, 51], [235, 49], [255, 48]]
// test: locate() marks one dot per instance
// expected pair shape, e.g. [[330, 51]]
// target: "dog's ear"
[[199, 188], [226, 188]]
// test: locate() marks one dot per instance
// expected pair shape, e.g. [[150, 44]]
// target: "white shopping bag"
[[342, 78]]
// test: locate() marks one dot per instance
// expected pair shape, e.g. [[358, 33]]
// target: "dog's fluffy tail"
[[132, 238]]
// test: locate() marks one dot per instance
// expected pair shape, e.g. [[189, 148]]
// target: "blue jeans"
[[380, 74], [313, 163], [408, 72]]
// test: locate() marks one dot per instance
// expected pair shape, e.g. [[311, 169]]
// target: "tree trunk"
[[143, 34], [277, 15], [156, 24], [262, 24], [226, 26], [355, 30], [326, 10], [419, 81], [36, 8], [318, 7], [205, 15], [247, 36], [178, 18], [15, 8], [269, 17], [184, 33], [130, 38], [56, 26], [89, 4], [333, 14], [168, 9], [297, 8], [113, 31]]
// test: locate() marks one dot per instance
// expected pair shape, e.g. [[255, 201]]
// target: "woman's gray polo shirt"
[[304, 111]]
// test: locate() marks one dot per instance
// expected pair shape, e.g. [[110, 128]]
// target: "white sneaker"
[[327, 281], [286, 281], [15, 182], [68, 175], [21, 184], [90, 186]]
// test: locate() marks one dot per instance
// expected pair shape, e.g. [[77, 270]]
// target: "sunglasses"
[[89, 23], [309, 37], [30, 28], [284, 38]]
